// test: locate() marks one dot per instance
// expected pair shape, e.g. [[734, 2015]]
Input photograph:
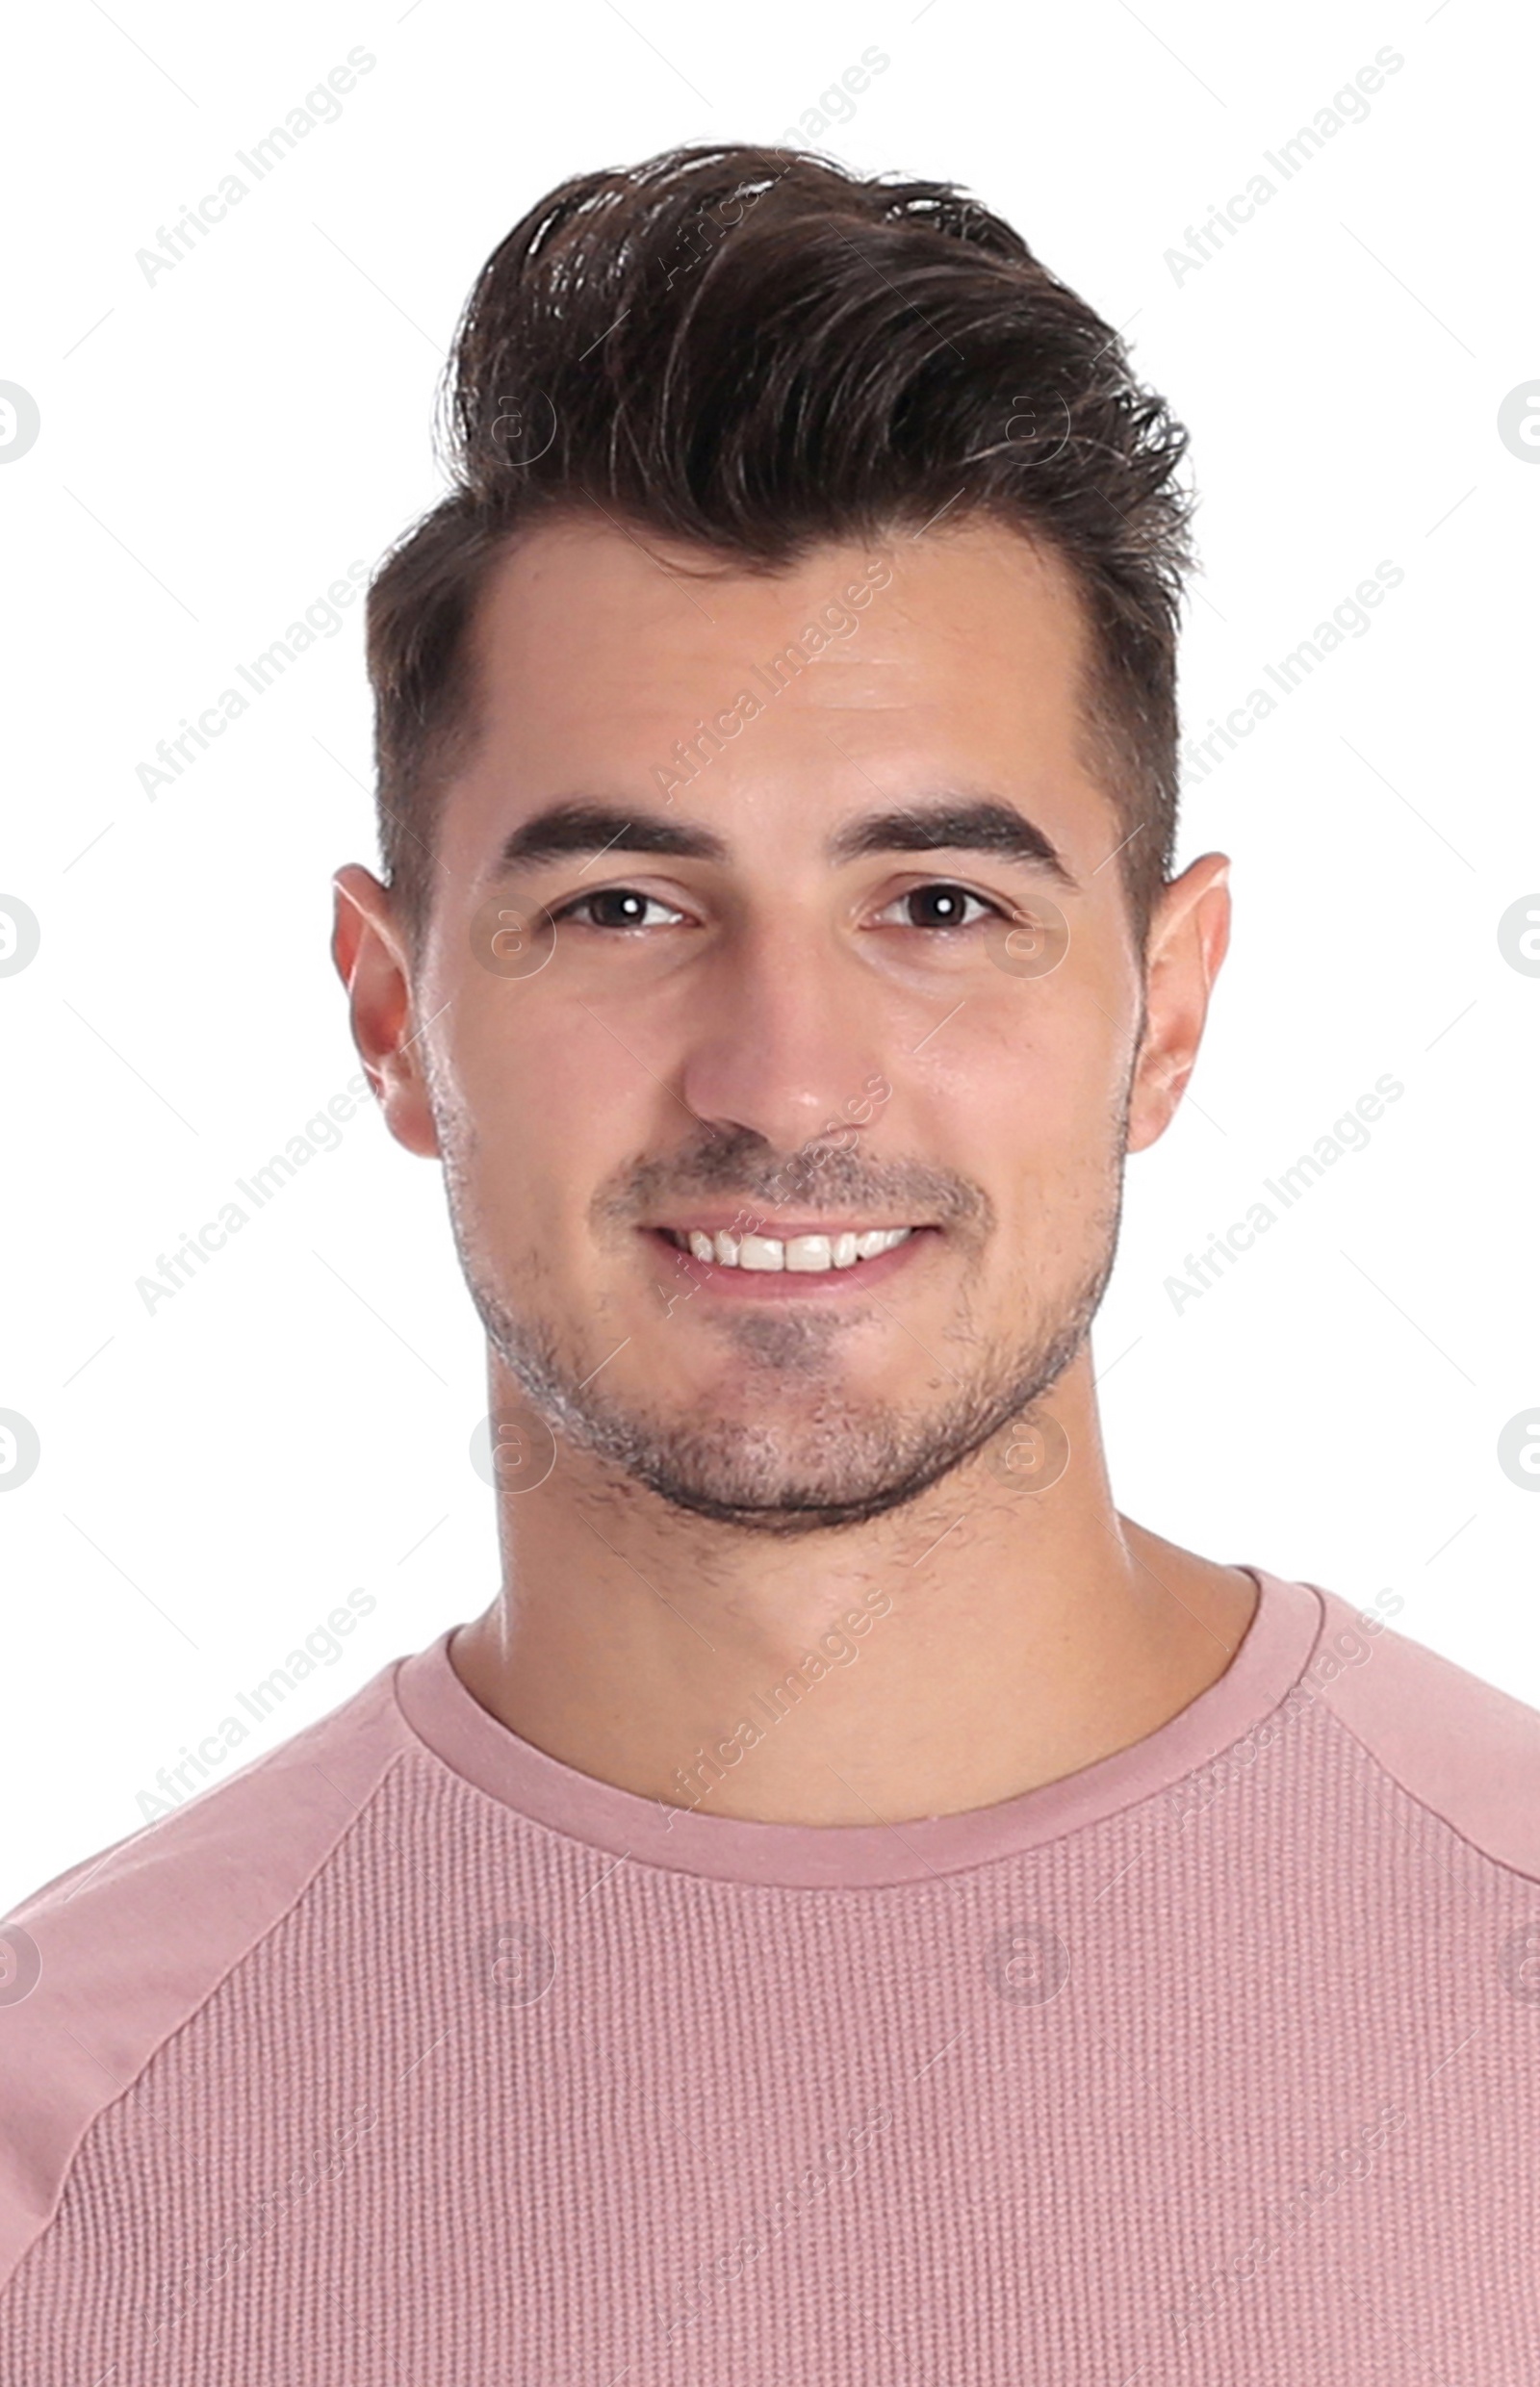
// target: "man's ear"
[[1190, 935], [372, 961]]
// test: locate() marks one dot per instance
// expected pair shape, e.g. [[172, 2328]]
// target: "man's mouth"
[[810, 1254]]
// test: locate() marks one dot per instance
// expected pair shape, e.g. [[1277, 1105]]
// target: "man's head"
[[753, 352], [777, 734]]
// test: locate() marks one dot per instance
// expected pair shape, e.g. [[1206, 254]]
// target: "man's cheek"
[[551, 1138]]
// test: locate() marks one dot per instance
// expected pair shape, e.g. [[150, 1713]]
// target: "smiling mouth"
[[807, 1255]]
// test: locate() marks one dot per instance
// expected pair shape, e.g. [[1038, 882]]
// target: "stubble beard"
[[816, 1460]]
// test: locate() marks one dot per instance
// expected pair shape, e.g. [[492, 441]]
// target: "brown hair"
[[755, 350]]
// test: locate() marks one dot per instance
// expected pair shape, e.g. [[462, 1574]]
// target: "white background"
[[218, 445]]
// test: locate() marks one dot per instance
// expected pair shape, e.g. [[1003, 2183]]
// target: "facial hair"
[[843, 1461]]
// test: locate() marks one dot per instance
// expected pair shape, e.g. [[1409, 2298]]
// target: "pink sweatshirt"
[[409, 2057]]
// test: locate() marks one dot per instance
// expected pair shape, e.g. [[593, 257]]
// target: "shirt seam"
[[929, 1878], [1415, 1798], [184, 2021]]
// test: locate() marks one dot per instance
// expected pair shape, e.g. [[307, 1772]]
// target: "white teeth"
[[808, 1255]]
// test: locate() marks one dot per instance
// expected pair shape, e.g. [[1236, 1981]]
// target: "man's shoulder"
[[100, 1965], [1455, 1743]]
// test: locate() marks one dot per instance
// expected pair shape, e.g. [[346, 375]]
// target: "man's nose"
[[782, 1044]]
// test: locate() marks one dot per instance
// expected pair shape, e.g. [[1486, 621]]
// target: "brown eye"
[[618, 907], [942, 905]]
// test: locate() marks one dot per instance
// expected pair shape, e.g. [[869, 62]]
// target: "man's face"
[[847, 1002]]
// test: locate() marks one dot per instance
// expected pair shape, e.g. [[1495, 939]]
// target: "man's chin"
[[791, 1478], [786, 1505], [771, 1450]]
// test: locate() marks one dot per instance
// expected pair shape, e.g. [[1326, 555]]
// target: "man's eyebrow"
[[979, 825], [578, 825]]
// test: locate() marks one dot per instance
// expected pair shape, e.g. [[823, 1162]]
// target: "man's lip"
[[745, 1220], [715, 1282]]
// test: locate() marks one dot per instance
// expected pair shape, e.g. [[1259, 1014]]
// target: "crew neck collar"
[[443, 1713]]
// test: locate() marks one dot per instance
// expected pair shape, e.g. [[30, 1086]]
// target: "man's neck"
[[972, 1645]]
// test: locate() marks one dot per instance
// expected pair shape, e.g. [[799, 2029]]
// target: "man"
[[856, 1907]]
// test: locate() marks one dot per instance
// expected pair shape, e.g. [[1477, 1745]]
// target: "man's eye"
[[941, 905], [619, 907]]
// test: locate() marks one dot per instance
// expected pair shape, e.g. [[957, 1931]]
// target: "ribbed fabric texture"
[[1248, 2096]]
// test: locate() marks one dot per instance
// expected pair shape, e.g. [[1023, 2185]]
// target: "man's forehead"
[[746, 700], [597, 597]]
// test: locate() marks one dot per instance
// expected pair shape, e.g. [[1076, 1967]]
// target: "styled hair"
[[755, 351]]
